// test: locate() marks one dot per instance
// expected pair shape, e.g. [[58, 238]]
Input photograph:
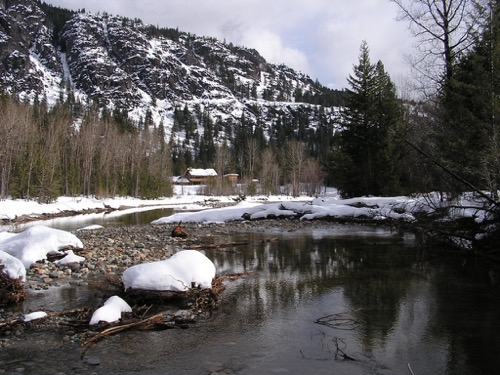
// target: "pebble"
[[55, 274], [94, 361]]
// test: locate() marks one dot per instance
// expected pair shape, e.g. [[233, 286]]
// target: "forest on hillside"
[[70, 150]]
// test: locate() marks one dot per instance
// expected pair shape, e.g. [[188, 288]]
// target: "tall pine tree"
[[467, 133], [365, 159]]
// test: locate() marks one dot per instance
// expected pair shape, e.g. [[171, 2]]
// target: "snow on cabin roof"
[[198, 172]]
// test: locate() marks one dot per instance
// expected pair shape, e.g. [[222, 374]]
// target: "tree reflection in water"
[[435, 313]]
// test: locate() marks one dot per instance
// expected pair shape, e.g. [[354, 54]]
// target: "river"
[[344, 300]]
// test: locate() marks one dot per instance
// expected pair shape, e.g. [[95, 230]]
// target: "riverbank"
[[110, 250]]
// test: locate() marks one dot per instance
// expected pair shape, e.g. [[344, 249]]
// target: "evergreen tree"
[[364, 159], [388, 112], [467, 132]]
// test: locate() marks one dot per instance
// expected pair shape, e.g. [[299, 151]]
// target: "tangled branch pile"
[[11, 290]]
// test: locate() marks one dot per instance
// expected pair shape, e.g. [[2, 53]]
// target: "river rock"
[[56, 274], [94, 361]]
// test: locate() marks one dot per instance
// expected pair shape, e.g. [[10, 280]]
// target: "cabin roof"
[[198, 172]]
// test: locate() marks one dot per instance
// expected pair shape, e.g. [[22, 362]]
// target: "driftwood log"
[[224, 244], [160, 321], [205, 300]]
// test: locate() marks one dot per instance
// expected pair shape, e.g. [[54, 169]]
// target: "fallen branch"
[[450, 172], [409, 369], [9, 325], [346, 356], [223, 245], [11, 290], [155, 322], [337, 321]]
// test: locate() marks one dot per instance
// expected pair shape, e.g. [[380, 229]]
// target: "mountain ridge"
[[145, 71]]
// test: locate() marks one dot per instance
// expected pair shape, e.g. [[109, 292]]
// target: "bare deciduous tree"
[[87, 145], [269, 173], [13, 123], [444, 30], [222, 164], [313, 177], [251, 157], [295, 159]]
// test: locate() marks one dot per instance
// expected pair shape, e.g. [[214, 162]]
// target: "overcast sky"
[[320, 38]]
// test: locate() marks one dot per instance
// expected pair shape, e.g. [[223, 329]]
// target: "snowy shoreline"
[[185, 198], [408, 213]]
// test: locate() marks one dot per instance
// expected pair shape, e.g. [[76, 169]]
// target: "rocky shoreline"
[[108, 251]]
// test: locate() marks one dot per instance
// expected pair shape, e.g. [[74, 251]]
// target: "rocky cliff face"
[[122, 63], [29, 61]]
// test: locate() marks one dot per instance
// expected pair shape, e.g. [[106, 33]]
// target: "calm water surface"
[[132, 216], [384, 301]]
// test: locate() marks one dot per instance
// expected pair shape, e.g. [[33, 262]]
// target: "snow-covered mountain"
[[146, 71]]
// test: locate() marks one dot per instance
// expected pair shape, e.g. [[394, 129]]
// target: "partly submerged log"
[[203, 300]]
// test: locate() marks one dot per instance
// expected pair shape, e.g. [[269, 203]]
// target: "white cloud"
[[270, 45]]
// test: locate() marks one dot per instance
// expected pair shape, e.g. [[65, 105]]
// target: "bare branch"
[[444, 30]]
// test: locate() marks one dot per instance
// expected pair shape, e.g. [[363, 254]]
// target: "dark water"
[[384, 301]]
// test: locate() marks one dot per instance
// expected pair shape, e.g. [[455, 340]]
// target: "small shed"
[[232, 177], [198, 176]]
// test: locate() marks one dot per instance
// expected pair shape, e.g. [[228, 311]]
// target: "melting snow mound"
[[111, 311], [70, 257], [12, 267], [177, 273], [36, 242], [34, 315]]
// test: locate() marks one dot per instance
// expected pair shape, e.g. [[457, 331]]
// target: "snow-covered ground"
[[193, 207], [184, 198]]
